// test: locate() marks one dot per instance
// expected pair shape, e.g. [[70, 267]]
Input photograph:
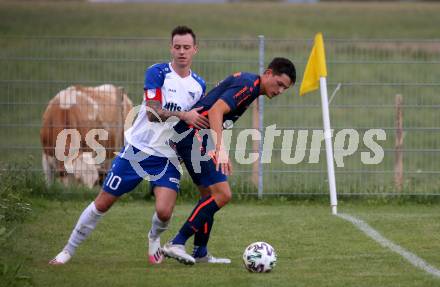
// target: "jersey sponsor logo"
[[175, 180], [172, 90], [172, 107], [192, 94]]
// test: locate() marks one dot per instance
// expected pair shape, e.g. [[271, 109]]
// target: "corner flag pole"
[[328, 145], [316, 71]]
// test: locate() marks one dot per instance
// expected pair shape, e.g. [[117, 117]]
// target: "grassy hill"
[[335, 20]]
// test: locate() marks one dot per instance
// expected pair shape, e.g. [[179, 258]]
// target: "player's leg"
[[203, 212], [201, 238], [86, 223], [183, 149], [165, 189], [165, 202], [207, 206], [164, 205], [120, 179]]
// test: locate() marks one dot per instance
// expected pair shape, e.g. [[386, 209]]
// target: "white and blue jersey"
[[147, 153], [175, 93]]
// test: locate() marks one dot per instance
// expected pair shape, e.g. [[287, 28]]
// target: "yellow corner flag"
[[315, 68]]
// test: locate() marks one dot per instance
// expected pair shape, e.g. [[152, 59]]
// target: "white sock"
[[85, 225], [157, 226]]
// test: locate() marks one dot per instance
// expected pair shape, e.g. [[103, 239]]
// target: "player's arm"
[[215, 116], [191, 117]]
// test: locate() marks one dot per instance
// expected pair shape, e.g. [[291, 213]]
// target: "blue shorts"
[[202, 171], [131, 166]]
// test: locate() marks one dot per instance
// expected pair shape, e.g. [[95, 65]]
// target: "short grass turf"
[[314, 248]]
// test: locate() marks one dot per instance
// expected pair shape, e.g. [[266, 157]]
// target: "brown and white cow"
[[76, 123]]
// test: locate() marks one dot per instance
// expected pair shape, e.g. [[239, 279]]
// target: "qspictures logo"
[[346, 143]]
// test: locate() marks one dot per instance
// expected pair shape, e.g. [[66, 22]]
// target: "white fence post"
[[260, 119]]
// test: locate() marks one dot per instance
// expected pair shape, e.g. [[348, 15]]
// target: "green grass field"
[[314, 248]]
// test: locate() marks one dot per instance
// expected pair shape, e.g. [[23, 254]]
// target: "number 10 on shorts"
[[113, 181]]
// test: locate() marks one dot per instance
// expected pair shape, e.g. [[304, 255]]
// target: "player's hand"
[[195, 119], [222, 162]]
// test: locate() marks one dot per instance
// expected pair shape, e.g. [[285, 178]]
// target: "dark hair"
[[283, 66], [182, 30]]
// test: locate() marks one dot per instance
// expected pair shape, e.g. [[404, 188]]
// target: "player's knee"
[[222, 193], [104, 201], [164, 213], [227, 196], [102, 206], [223, 197]]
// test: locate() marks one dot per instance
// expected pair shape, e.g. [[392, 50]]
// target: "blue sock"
[[182, 238], [179, 239], [201, 237], [200, 251], [203, 212]]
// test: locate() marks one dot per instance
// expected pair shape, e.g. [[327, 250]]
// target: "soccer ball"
[[259, 257]]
